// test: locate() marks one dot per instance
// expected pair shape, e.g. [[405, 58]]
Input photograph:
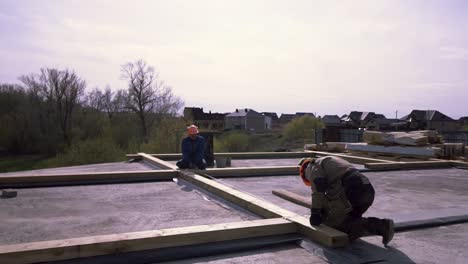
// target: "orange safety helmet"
[[302, 166], [192, 130]]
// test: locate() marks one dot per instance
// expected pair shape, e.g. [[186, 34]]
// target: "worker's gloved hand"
[[315, 216]]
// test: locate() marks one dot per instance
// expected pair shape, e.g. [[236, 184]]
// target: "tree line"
[[52, 113]]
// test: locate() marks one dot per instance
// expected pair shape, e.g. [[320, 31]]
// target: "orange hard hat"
[[303, 163], [192, 130]]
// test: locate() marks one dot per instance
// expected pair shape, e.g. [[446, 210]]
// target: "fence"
[[456, 137], [336, 134]]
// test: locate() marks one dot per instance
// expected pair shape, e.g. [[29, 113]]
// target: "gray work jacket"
[[333, 201]]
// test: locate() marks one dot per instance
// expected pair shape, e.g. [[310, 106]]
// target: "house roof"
[[272, 115], [286, 117], [198, 114], [304, 113], [243, 112], [331, 119], [424, 115]]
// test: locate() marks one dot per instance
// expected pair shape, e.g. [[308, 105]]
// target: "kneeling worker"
[[340, 196], [193, 150]]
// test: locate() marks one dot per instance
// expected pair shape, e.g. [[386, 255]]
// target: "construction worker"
[[340, 196], [193, 150]]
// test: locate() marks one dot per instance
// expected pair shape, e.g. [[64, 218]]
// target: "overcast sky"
[[328, 57]]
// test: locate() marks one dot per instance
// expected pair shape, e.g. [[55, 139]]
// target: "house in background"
[[463, 121], [331, 120], [285, 119], [430, 119], [274, 119], [301, 114], [205, 121], [247, 119], [372, 121], [357, 119]]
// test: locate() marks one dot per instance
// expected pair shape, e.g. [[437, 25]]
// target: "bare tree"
[[147, 95], [113, 102], [95, 99], [61, 90]]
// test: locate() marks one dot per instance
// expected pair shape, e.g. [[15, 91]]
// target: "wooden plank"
[[294, 198], [157, 162], [236, 155], [271, 155], [55, 250], [249, 171], [322, 234], [459, 164], [88, 177], [350, 158], [409, 165]]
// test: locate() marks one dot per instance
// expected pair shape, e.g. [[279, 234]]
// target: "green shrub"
[[90, 151], [166, 136], [302, 128], [232, 142]]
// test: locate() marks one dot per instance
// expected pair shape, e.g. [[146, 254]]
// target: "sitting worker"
[[193, 150], [340, 196]]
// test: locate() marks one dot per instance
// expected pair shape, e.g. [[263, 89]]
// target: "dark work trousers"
[[183, 164], [355, 225]]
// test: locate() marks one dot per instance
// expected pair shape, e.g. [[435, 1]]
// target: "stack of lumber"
[[423, 152], [327, 146], [453, 150], [394, 138]]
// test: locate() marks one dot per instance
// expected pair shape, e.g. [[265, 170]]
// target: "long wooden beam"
[[235, 155], [409, 165], [157, 162], [55, 250], [270, 155], [460, 164], [350, 158], [322, 234], [249, 171], [294, 198], [86, 178]]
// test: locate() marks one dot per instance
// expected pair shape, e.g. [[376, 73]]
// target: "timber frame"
[[277, 221]]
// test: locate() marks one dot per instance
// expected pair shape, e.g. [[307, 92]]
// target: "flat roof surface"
[[397, 192], [64, 212], [279, 254], [101, 167], [38, 214]]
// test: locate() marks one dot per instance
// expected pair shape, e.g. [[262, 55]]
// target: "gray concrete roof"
[[64, 212]]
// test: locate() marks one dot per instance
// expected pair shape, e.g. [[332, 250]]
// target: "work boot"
[[386, 230], [380, 227]]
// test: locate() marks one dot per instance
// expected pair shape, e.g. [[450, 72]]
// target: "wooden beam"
[[350, 158], [249, 171], [322, 234], [294, 198], [409, 165], [270, 155], [236, 155], [157, 162], [459, 164], [55, 250], [87, 178]]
